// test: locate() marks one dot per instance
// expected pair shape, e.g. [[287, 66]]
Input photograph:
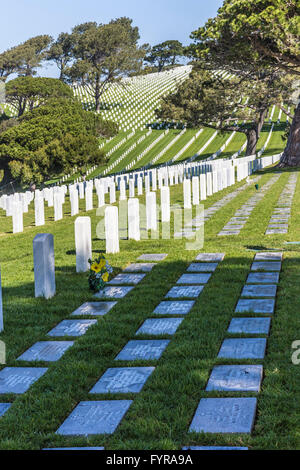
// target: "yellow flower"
[[105, 277], [96, 267], [102, 263]]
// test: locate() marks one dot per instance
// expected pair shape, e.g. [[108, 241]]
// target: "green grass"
[[161, 413]]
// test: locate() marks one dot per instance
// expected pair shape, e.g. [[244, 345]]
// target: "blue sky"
[[158, 20]]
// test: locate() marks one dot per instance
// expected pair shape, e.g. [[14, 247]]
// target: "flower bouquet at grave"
[[99, 273]]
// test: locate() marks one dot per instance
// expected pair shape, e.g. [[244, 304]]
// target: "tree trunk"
[[97, 93], [291, 154], [251, 142], [254, 133]]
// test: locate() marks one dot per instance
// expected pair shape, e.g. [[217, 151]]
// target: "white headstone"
[[1, 306], [165, 204], [89, 197], [17, 217], [196, 193], [203, 187], [123, 190], [187, 194], [74, 202], [58, 213], [44, 267], [131, 188], [134, 219], [39, 210], [112, 229], [83, 243], [112, 193], [140, 186], [151, 211]]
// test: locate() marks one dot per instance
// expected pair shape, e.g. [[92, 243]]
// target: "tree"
[[62, 52], [164, 54], [9, 63], [207, 99], [104, 54], [25, 93], [266, 30], [52, 139], [32, 52]]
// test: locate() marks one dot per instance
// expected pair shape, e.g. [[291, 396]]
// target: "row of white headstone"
[[219, 174]]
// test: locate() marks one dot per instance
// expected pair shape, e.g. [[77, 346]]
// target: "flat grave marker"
[[200, 278], [243, 348], [184, 291], [245, 378], [4, 407], [224, 415], [153, 257], [114, 292], [142, 350], [252, 290], [123, 380], [18, 379], [48, 351], [213, 257], [250, 325], [142, 267], [179, 307], [159, 326], [202, 267], [213, 448], [94, 308], [71, 328], [127, 279], [268, 266], [94, 417], [255, 306], [263, 278]]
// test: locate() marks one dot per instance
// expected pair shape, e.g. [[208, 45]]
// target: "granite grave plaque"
[[19, 379], [245, 378], [94, 417], [142, 350], [259, 291], [250, 326], [48, 351], [123, 380], [224, 415], [184, 291], [94, 308], [243, 348], [159, 326], [179, 307], [114, 292], [255, 306], [202, 267], [201, 278], [127, 279], [210, 257], [72, 328]]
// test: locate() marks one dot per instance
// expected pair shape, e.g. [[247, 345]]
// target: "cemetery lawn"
[[160, 415]]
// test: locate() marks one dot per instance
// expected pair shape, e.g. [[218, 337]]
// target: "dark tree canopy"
[[249, 34], [104, 54], [52, 139], [25, 58], [165, 54], [25, 93], [234, 104], [62, 52]]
